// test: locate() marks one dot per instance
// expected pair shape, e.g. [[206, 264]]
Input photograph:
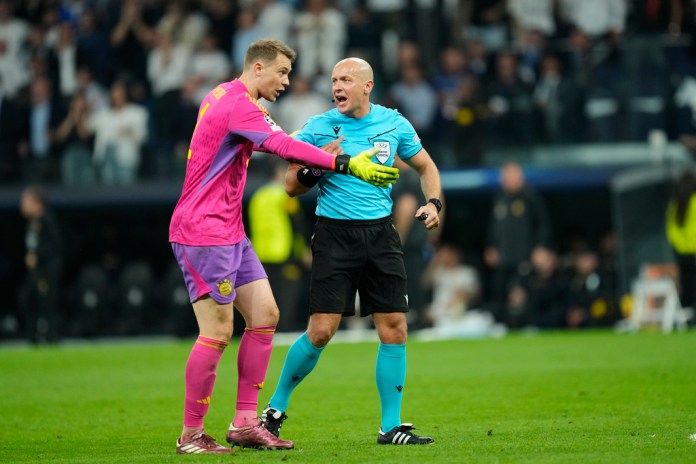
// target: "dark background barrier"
[[110, 231]]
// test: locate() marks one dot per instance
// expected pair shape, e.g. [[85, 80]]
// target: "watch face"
[[437, 203]]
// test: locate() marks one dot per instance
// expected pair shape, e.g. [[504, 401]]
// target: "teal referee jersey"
[[347, 197]]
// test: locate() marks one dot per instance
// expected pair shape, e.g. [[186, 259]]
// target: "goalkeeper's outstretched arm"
[[359, 166]]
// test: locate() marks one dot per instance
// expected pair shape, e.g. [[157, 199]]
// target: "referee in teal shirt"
[[355, 246]]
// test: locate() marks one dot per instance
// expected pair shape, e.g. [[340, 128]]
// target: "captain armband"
[[309, 176]]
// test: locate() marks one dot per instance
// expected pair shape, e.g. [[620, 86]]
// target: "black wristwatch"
[[437, 203]]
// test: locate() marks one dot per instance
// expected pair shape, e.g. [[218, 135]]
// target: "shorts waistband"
[[356, 222]]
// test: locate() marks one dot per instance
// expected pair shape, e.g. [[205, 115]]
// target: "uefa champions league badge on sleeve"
[[274, 127], [384, 151]]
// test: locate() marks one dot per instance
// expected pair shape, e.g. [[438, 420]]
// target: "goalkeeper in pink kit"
[[219, 265]]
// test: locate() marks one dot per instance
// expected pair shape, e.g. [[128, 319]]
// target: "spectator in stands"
[[37, 149], [167, 69], [13, 74], [221, 15], [479, 59], [248, 31], [519, 223], [528, 16], [416, 99], [35, 50], [185, 24], [96, 96], [39, 65], [209, 66], [465, 119], [510, 105], [276, 19], [74, 134], [539, 298], [590, 300], [455, 286], [607, 250], [558, 103], [681, 234], [119, 132], [483, 20], [39, 296], [321, 38], [531, 49], [67, 60], [409, 54], [584, 288], [130, 39], [94, 45], [52, 19], [451, 70], [13, 32], [578, 56], [363, 34], [453, 67]]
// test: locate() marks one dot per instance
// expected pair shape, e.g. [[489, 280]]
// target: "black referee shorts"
[[357, 255]]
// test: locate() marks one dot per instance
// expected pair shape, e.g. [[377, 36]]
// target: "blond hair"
[[267, 50]]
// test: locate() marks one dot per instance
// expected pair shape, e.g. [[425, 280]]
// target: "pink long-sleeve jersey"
[[230, 124]]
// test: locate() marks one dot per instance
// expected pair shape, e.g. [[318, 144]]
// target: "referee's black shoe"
[[272, 420], [402, 435]]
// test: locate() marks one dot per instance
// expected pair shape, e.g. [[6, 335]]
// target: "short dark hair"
[[267, 50]]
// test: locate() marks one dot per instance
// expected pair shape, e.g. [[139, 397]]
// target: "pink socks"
[[252, 364], [200, 378]]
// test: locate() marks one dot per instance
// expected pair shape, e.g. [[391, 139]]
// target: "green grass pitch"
[[583, 397]]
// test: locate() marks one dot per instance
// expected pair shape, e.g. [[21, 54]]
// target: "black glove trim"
[[309, 176], [341, 164]]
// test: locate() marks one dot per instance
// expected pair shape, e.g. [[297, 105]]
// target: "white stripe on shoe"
[[400, 438], [192, 449]]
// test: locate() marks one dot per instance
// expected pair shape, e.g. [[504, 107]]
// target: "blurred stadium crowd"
[[106, 92]]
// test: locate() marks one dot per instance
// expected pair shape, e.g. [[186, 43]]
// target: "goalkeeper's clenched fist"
[[362, 167]]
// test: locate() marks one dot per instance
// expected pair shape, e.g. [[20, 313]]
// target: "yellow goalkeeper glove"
[[362, 167]]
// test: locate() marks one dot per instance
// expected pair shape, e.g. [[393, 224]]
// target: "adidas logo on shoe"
[[402, 435]]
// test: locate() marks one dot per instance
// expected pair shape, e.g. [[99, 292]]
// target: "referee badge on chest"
[[384, 151]]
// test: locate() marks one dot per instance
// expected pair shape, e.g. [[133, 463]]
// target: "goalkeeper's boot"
[[273, 419], [402, 435], [257, 437], [200, 443]]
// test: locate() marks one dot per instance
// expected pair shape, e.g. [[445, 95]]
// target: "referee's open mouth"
[[340, 99]]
